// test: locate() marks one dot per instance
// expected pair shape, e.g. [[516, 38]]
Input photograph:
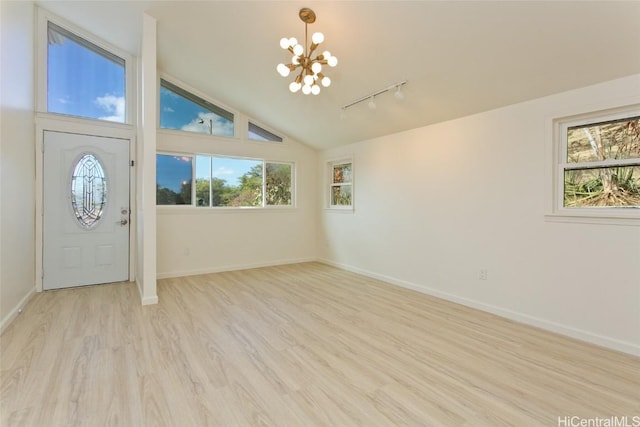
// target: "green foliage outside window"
[[589, 181]]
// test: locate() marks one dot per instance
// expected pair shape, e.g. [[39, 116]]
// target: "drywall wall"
[[435, 205], [146, 171], [201, 240], [17, 135]]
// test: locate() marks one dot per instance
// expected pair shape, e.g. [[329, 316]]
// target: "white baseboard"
[[150, 300], [184, 273], [16, 310], [145, 300], [611, 343]]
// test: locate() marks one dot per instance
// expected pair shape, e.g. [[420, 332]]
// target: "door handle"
[[123, 222]]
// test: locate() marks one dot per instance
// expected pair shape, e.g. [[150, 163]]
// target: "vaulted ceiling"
[[459, 57]]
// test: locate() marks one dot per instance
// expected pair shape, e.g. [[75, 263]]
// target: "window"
[[173, 179], [341, 185], [83, 79], [182, 110], [601, 164], [229, 182], [598, 169], [257, 133], [223, 182]]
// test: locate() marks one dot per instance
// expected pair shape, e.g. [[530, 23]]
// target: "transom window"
[[600, 163], [182, 110], [341, 184], [223, 181], [83, 79], [258, 133]]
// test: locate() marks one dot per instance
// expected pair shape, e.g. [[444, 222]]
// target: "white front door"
[[86, 210]]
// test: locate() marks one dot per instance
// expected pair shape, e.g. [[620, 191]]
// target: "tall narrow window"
[[173, 179], [278, 182], [341, 184], [83, 79], [182, 110]]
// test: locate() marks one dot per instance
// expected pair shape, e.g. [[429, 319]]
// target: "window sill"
[[192, 210], [606, 218], [345, 210]]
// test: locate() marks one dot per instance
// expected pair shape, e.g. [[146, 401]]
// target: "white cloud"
[[222, 171], [114, 105], [220, 125], [168, 110]]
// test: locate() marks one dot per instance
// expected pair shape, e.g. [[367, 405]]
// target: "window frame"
[[264, 206], [41, 64], [206, 100], [331, 164], [620, 215], [264, 129]]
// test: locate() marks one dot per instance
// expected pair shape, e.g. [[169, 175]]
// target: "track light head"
[[399, 95]]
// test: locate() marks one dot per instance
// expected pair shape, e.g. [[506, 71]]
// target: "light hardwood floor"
[[297, 345]]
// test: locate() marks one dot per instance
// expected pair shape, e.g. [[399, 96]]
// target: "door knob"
[[123, 222]]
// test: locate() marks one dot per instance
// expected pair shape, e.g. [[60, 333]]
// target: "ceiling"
[[459, 58]]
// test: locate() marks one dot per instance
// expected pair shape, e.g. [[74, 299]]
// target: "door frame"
[[54, 123]]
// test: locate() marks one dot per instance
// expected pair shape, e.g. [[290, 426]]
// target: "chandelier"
[[310, 77]]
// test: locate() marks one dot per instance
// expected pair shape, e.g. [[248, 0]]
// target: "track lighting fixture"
[[398, 94]]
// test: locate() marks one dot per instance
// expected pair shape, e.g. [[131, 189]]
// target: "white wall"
[[17, 136], [146, 171], [200, 240], [436, 204]]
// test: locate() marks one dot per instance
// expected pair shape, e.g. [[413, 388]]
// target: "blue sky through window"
[[180, 113], [229, 169], [83, 82], [172, 171]]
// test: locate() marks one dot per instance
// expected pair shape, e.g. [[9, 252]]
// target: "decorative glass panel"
[[88, 190]]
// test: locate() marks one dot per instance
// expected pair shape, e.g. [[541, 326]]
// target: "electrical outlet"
[[483, 274]]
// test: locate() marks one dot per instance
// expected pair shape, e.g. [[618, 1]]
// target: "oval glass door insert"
[[88, 190]]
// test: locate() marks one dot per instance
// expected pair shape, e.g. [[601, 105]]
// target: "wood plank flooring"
[[296, 345]]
